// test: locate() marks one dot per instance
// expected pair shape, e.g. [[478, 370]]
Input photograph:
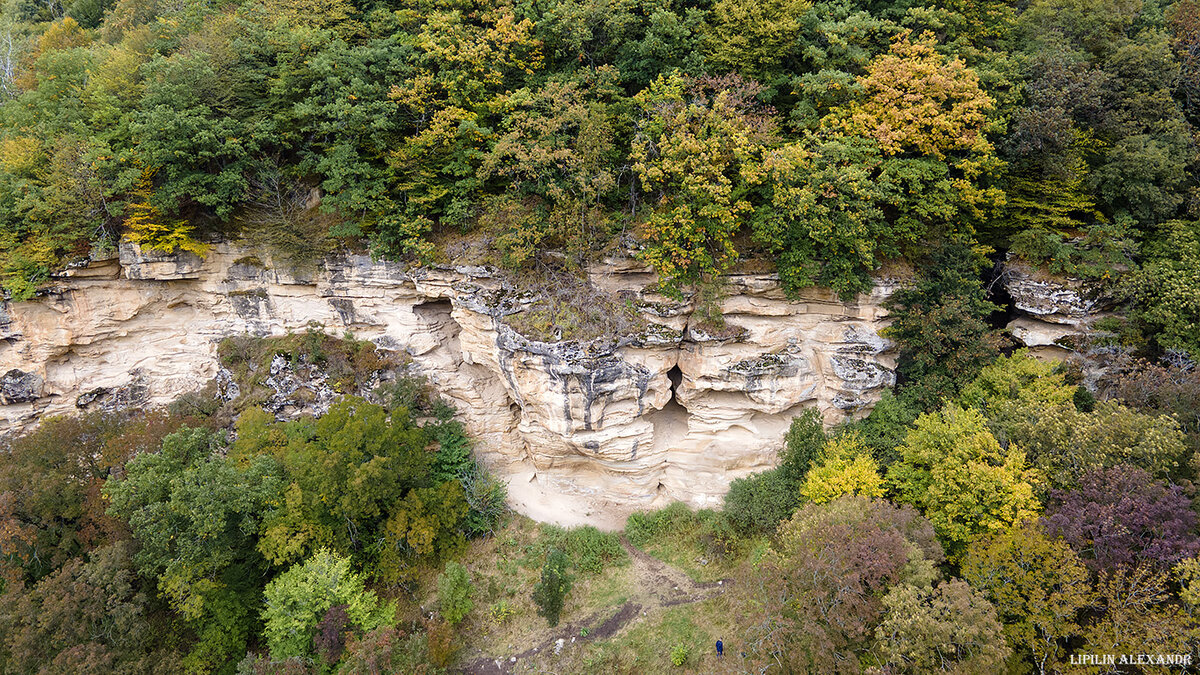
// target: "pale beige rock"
[[583, 432], [1053, 312]]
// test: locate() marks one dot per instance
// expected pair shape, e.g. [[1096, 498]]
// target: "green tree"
[[949, 628], [551, 591], [803, 444], [1065, 442], [754, 39], [1165, 289], [454, 592], [954, 471], [941, 328], [1038, 586], [757, 503], [347, 471], [196, 518], [296, 600]]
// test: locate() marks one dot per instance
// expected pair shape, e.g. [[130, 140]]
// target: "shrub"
[[588, 549], [297, 600], [551, 591], [803, 445], [643, 526], [387, 650], [757, 503], [454, 593], [591, 550], [846, 469], [680, 654], [501, 611], [439, 638]]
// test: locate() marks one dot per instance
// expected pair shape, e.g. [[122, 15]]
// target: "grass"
[[649, 636], [504, 569], [697, 542], [648, 646]]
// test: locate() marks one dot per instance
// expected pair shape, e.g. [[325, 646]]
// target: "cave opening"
[[675, 376], [438, 314], [993, 283]]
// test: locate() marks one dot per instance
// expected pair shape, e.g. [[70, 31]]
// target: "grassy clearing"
[[697, 542], [623, 614], [676, 639], [504, 569]]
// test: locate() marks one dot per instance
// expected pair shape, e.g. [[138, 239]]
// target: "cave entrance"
[[438, 314], [675, 375], [993, 283], [671, 421]]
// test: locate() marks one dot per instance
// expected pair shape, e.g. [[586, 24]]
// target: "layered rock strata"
[[1052, 313], [583, 431]]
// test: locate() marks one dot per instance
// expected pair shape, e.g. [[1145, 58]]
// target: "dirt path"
[[655, 584]]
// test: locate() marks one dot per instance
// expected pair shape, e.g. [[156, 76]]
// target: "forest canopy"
[[825, 138]]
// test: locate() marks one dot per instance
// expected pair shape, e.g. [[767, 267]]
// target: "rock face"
[[1052, 312], [583, 431]]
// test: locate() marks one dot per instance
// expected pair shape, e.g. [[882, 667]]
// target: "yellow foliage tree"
[[918, 100], [62, 34], [752, 37], [846, 469], [150, 229]]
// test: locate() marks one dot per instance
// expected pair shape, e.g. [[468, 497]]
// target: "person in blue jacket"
[[720, 649]]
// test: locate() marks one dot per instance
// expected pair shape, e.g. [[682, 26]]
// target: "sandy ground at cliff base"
[[528, 496]]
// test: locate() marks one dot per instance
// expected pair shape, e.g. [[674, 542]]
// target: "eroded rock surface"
[[583, 431], [1053, 312]]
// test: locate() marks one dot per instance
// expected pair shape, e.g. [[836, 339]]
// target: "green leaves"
[[196, 517], [454, 592], [952, 468], [551, 591], [297, 599], [697, 153]]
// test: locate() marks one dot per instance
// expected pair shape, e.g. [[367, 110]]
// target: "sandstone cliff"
[[583, 431], [1052, 313]]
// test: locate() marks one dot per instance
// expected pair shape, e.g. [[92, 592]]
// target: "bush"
[[940, 326], [439, 638], [847, 468], [803, 445], [885, 428], [680, 654], [551, 592], [589, 549], [757, 503], [501, 611], [454, 593], [297, 600], [387, 650]]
